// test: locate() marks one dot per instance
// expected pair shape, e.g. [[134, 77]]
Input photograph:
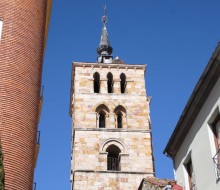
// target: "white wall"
[[199, 144]]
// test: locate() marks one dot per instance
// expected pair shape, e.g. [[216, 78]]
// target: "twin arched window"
[[110, 82], [102, 113]]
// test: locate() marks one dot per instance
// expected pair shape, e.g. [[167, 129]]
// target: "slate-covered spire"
[[104, 50]]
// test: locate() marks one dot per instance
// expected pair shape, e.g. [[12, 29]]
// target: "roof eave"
[[196, 101]]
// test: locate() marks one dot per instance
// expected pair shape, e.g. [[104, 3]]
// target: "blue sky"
[[174, 38]]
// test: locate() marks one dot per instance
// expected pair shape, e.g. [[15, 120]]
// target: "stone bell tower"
[[111, 130]]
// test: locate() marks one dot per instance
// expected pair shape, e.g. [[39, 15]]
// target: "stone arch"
[[112, 141], [115, 106], [98, 106], [102, 107]]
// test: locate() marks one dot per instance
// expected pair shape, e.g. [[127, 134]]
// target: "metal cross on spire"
[[104, 18], [104, 49]]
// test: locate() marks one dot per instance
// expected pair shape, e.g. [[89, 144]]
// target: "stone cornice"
[[116, 172], [105, 65], [112, 130]]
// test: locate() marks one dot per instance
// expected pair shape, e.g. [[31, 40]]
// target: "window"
[[123, 82], [96, 84], [190, 172], [113, 159], [102, 116], [119, 120], [216, 158], [110, 82], [216, 132], [120, 116], [1, 26], [102, 113]]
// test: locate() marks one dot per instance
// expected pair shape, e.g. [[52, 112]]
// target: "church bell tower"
[[111, 129]]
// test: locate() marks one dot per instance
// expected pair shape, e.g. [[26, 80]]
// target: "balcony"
[[193, 187], [34, 186], [37, 147], [41, 102], [216, 160]]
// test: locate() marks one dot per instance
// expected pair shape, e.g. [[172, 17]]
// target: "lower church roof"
[[152, 183]]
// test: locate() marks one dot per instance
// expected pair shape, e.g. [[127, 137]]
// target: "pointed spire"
[[104, 50]]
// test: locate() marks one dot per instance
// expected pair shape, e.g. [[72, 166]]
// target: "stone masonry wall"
[[90, 143], [90, 150], [134, 100], [107, 181]]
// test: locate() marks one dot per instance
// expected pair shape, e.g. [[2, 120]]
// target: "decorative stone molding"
[[111, 141]]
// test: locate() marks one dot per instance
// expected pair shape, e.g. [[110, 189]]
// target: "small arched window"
[[96, 84], [102, 112], [113, 159], [110, 82], [119, 120], [102, 116], [120, 116], [123, 82]]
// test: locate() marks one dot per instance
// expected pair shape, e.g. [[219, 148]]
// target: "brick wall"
[[21, 56]]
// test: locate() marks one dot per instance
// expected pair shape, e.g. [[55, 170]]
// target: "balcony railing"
[[216, 160], [37, 147], [38, 137], [113, 164], [41, 102], [193, 187], [34, 186]]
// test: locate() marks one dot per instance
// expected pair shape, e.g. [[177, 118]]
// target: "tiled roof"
[[152, 183]]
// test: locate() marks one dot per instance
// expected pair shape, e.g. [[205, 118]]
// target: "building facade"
[[111, 129], [23, 33], [195, 143]]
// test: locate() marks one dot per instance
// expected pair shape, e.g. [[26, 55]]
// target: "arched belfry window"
[[102, 119], [110, 82], [113, 159], [96, 84], [120, 117], [123, 82], [119, 120], [102, 113]]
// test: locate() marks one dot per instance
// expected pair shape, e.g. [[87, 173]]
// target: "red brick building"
[[23, 33]]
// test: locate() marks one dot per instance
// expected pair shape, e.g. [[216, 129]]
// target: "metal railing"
[[38, 137], [42, 92], [193, 187], [113, 164], [35, 186], [216, 160]]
